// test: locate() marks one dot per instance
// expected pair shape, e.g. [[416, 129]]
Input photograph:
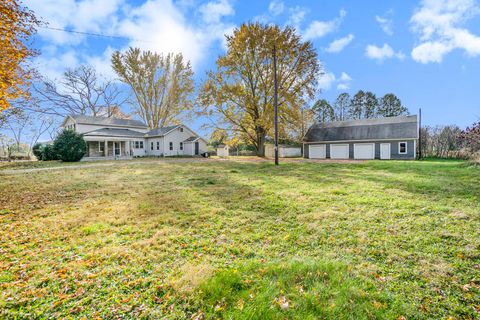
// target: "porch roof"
[[109, 132]]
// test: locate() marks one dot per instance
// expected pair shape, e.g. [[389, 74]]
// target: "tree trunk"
[[260, 142]]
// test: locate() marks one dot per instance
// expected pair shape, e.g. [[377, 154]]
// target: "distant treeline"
[[363, 105]]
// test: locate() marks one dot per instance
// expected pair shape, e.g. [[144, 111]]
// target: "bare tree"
[[80, 91]]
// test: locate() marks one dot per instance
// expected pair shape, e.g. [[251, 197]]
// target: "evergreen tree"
[[324, 111], [342, 104], [391, 106], [357, 106], [371, 105]]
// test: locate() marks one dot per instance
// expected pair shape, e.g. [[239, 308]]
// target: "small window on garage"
[[171, 145], [181, 145], [158, 145], [181, 129], [402, 147]]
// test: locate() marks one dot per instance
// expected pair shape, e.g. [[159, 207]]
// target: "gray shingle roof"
[[161, 131], [192, 138], [108, 121], [402, 127], [109, 132]]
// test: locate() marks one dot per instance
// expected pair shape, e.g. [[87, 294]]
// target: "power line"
[[94, 34]]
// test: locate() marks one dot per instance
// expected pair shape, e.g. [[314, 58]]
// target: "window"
[[402, 147], [136, 145], [181, 145], [141, 144], [181, 129], [158, 145], [171, 145], [101, 146], [151, 145]]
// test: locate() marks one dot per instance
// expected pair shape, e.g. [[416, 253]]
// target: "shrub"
[[70, 146], [38, 151], [48, 153]]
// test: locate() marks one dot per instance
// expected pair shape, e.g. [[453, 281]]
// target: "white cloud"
[[440, 28], [339, 44], [214, 11], [318, 29], [326, 80], [386, 22], [382, 53], [86, 16], [276, 7], [297, 15], [329, 79], [345, 77]]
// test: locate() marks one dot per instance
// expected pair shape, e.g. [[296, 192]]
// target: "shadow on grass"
[[294, 290]]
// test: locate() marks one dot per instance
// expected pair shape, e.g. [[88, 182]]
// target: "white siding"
[[176, 136], [154, 152]]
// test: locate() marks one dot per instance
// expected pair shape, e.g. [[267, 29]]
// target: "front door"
[[197, 148], [117, 148], [385, 151]]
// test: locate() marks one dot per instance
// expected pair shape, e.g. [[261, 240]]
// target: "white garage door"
[[317, 151], [363, 151], [339, 151]]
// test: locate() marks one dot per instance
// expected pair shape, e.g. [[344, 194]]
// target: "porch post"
[[105, 148], [127, 147]]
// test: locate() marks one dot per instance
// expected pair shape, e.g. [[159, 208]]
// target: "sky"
[[426, 52]]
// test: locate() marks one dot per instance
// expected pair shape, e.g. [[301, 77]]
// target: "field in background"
[[228, 239]]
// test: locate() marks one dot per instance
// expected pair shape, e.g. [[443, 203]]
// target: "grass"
[[248, 240]]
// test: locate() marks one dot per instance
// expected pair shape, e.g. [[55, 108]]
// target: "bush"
[[70, 146], [48, 153], [38, 151]]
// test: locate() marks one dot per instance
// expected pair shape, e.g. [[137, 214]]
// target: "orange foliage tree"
[[17, 26]]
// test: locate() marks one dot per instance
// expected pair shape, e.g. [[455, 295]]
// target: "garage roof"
[[403, 127]]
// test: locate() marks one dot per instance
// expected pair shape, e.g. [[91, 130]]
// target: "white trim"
[[362, 140], [338, 145], [406, 147]]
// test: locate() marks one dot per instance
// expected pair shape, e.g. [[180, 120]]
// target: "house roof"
[[109, 132], [191, 139], [108, 121], [161, 131], [403, 127]]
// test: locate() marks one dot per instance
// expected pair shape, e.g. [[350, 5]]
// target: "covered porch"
[[108, 149]]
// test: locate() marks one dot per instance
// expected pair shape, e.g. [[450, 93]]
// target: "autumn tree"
[[391, 106], [324, 111], [163, 85], [471, 136], [240, 91], [17, 26], [80, 91]]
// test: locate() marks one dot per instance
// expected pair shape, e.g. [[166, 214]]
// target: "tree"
[[80, 91], [357, 106], [342, 104], [240, 92], [17, 26], [162, 84], [391, 106], [324, 111], [70, 146], [371, 105], [471, 136]]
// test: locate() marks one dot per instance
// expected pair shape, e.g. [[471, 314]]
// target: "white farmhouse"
[[109, 138]]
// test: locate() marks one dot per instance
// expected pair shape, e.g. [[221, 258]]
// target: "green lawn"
[[242, 240]]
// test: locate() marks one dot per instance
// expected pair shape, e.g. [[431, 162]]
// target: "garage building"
[[382, 138]]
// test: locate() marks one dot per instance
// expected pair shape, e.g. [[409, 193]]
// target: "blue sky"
[[426, 52]]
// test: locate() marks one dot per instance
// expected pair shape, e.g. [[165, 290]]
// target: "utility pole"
[[420, 133], [275, 102]]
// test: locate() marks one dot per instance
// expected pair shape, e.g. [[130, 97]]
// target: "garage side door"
[[339, 151], [364, 151], [317, 151]]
